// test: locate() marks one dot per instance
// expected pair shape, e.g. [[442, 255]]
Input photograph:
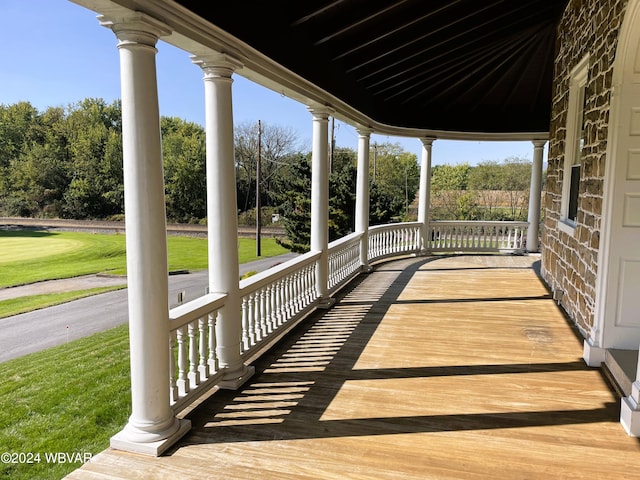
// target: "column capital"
[[137, 28], [428, 141], [320, 112], [538, 143], [364, 131], [216, 65]]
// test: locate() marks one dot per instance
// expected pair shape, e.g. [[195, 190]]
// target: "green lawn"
[[30, 256], [70, 399], [73, 398], [15, 306]]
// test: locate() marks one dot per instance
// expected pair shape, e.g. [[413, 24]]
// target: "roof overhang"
[[456, 69]]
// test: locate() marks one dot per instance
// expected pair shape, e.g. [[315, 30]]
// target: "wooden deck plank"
[[451, 368]]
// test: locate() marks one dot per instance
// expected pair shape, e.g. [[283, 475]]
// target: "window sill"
[[567, 227]]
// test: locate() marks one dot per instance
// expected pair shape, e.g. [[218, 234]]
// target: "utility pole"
[[332, 144], [375, 158], [258, 202]]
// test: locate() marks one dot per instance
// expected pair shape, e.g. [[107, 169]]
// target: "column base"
[[630, 413], [366, 268], [123, 441], [593, 356], [237, 381], [326, 303]]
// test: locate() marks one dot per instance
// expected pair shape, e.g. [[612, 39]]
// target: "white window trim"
[[577, 83]]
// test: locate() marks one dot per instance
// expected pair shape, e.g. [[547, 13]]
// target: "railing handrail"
[[491, 223], [188, 312], [337, 244], [477, 236], [391, 226], [262, 279]]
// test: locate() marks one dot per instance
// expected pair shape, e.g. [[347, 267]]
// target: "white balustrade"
[[477, 236], [393, 239], [193, 364], [276, 297], [344, 260], [274, 300]]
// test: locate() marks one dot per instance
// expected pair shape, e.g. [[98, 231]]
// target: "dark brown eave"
[[460, 66]]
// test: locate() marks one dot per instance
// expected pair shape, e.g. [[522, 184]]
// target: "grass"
[[70, 254], [29, 256], [74, 397], [15, 306], [70, 398]]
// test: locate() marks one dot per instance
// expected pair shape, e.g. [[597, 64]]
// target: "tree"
[[487, 179], [295, 203], [517, 175], [277, 144], [396, 174], [449, 185], [94, 139], [342, 193], [184, 156]]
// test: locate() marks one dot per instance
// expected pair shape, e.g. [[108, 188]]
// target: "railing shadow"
[[297, 381]]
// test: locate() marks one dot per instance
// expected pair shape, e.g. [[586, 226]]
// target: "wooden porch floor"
[[455, 367]]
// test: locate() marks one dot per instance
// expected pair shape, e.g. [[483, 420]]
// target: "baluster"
[[287, 298], [270, 306], [301, 291], [252, 319], [203, 368], [193, 356], [263, 314], [183, 384], [283, 301], [295, 301], [307, 290], [475, 237], [173, 388], [245, 325], [213, 343]]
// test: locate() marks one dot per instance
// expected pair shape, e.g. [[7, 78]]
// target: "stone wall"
[[569, 262]]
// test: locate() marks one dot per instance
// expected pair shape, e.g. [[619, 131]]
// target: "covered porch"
[[427, 367]]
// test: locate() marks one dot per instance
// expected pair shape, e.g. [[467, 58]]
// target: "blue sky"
[[55, 53]]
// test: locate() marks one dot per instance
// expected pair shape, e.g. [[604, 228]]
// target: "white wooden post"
[[320, 201], [630, 408], [424, 196], [152, 426], [362, 195], [222, 221], [535, 192]]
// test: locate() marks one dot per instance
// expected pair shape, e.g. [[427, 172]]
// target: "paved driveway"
[[34, 331]]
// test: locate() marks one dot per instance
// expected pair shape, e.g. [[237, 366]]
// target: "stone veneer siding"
[[569, 263]]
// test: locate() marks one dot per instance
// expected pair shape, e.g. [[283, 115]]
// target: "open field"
[[29, 256]]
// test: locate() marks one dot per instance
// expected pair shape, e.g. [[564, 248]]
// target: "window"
[[574, 143]]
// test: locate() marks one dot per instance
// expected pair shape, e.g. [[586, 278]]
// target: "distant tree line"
[[67, 163], [489, 191]]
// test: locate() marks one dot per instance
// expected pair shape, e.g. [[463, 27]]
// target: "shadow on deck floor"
[[450, 367]]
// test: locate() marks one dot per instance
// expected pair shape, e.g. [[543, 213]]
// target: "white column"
[[152, 426], [630, 408], [535, 192], [362, 195], [320, 200], [222, 220], [424, 197]]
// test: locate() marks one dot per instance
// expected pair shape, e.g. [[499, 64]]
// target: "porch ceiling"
[[440, 65]]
